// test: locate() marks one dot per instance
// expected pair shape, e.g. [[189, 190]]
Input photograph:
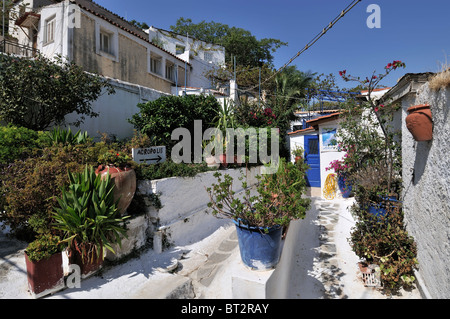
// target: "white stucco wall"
[[327, 155], [116, 109], [426, 194]]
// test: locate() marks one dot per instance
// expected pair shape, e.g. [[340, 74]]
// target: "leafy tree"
[[159, 118], [36, 93], [237, 42]]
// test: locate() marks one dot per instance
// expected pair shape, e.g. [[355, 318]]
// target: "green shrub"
[[35, 93], [159, 118], [88, 214], [44, 247], [169, 169], [61, 136], [18, 143], [384, 241], [29, 188]]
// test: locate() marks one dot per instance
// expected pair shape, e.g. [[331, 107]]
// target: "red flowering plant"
[[114, 158], [367, 129]]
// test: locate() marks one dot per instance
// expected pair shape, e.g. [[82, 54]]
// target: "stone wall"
[[426, 193]]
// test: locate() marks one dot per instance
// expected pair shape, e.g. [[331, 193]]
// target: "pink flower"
[[376, 108]]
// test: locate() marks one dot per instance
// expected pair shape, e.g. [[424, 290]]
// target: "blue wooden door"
[[312, 158]]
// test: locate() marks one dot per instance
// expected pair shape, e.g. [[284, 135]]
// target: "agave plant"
[[88, 213], [58, 135]]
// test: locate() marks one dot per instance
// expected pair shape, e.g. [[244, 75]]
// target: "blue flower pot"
[[259, 250], [378, 210], [344, 187]]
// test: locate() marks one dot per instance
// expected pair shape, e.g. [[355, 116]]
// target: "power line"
[[310, 43]]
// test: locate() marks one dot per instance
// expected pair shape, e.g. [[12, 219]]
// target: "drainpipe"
[[62, 26]]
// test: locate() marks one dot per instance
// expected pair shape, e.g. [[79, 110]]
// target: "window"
[[170, 75], [208, 56], [179, 49], [49, 30], [106, 42], [155, 64]]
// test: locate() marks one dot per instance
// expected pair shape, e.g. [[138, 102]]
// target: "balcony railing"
[[11, 47]]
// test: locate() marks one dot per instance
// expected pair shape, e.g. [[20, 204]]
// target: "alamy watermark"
[[74, 16], [259, 143], [374, 19]]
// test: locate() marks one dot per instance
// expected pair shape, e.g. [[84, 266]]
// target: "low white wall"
[[184, 217], [116, 109]]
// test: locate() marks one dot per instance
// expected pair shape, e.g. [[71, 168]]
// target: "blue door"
[[312, 158]]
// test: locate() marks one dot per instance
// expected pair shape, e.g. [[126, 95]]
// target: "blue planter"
[[378, 210], [345, 188], [259, 250]]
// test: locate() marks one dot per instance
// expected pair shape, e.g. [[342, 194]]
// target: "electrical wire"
[[312, 42]]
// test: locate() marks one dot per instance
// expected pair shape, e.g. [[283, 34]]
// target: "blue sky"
[[413, 31]]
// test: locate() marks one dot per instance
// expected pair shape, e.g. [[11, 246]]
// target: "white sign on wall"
[[149, 155]]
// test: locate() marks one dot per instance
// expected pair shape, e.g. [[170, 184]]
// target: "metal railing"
[[11, 47]]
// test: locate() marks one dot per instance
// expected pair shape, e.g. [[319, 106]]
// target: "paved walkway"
[[317, 263]]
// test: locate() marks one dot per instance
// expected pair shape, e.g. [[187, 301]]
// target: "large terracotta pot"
[[45, 276], [125, 184], [419, 122]]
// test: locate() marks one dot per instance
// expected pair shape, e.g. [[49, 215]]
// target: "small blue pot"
[[378, 210], [259, 250], [344, 187]]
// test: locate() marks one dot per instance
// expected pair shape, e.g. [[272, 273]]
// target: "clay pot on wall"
[[125, 184], [419, 122]]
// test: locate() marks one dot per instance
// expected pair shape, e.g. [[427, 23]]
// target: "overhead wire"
[[310, 43]]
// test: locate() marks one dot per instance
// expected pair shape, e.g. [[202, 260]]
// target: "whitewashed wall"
[[116, 109], [426, 194], [326, 155]]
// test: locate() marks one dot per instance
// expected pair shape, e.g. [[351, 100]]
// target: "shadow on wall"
[[422, 153]]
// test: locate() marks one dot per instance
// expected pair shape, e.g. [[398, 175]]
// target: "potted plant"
[[260, 218], [419, 122], [89, 218], [117, 164], [342, 170], [43, 258], [298, 153]]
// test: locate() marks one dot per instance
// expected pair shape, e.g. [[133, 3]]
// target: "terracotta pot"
[[89, 264], [237, 159], [419, 122], [223, 160], [297, 158], [125, 184], [212, 161], [45, 276]]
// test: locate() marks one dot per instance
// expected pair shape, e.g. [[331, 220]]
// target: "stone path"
[[327, 268]]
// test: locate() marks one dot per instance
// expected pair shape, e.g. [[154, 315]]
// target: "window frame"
[[51, 21]]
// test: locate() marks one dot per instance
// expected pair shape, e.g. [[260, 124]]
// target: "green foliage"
[[19, 143], [44, 247], [168, 169], [237, 42], [29, 188], [88, 213], [115, 158], [385, 242], [35, 93], [159, 118], [278, 200], [61, 136]]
